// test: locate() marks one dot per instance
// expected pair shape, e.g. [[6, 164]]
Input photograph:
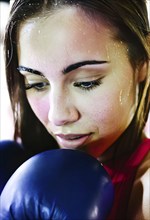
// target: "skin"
[[101, 113], [138, 207], [65, 105]]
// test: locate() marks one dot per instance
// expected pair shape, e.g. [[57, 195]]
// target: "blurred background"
[[6, 118]]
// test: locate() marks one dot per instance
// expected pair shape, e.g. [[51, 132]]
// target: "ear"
[[142, 71]]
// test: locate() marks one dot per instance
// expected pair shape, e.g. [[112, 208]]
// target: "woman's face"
[[79, 80]]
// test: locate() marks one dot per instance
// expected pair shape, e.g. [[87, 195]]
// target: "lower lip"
[[72, 143]]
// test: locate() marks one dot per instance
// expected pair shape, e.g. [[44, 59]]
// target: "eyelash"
[[37, 86], [87, 86]]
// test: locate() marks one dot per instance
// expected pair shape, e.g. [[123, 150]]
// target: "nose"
[[62, 110]]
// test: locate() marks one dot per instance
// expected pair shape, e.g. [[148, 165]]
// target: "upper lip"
[[71, 136]]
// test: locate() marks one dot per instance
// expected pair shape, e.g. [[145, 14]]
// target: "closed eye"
[[88, 85], [37, 86]]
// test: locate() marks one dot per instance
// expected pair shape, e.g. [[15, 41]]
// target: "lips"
[[72, 140], [71, 136]]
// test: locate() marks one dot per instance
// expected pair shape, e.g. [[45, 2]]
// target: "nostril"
[[61, 116]]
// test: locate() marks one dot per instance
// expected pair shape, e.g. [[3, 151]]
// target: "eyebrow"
[[67, 69], [26, 69], [83, 63]]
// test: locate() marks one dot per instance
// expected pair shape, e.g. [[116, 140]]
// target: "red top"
[[123, 176]]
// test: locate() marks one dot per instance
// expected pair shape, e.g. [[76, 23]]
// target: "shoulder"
[[145, 181], [140, 195]]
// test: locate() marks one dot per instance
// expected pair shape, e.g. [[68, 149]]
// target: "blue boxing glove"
[[11, 157], [60, 185]]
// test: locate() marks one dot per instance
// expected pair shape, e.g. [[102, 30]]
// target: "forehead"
[[72, 20], [68, 32]]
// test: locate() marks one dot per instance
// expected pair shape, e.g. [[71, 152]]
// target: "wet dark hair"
[[129, 17]]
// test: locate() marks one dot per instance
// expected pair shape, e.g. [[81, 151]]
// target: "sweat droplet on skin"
[[125, 98], [120, 97], [107, 52]]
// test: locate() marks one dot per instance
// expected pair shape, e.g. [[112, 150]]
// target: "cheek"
[[110, 111], [40, 108], [105, 111]]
